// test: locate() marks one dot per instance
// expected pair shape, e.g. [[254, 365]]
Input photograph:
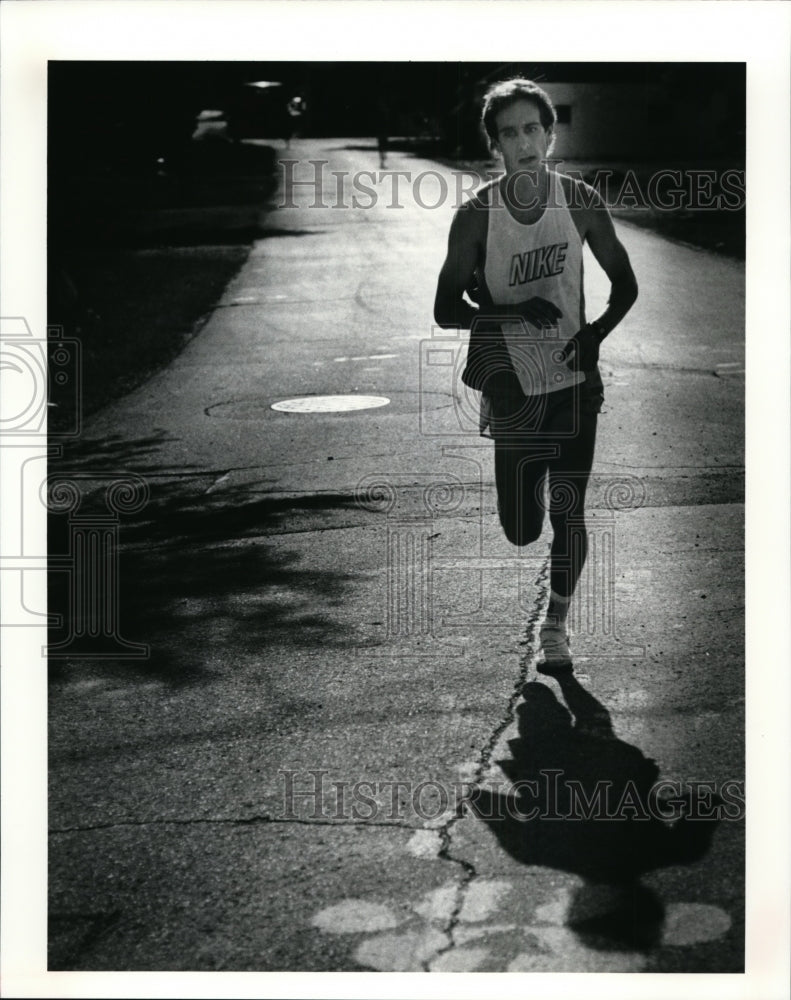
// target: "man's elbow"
[[626, 287], [444, 314]]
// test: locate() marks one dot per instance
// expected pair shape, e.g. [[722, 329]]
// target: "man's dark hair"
[[505, 93]]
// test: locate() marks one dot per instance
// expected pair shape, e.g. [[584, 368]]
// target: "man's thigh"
[[521, 456]]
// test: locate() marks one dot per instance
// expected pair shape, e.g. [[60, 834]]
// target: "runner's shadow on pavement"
[[585, 803]]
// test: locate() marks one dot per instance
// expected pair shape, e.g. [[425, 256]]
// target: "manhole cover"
[[329, 404], [399, 402]]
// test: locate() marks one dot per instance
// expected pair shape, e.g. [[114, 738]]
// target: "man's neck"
[[528, 189]]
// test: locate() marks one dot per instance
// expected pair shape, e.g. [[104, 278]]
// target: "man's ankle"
[[557, 609]]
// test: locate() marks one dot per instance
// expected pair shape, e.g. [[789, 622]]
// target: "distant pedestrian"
[[382, 144], [382, 131], [295, 110], [518, 241]]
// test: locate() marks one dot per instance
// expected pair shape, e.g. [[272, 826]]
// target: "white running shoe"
[[554, 646]]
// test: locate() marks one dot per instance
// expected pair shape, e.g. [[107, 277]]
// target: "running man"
[[515, 249]]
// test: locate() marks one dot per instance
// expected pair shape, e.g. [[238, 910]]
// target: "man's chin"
[[528, 170]]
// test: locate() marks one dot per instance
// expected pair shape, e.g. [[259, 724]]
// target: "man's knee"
[[522, 530], [569, 536], [568, 522]]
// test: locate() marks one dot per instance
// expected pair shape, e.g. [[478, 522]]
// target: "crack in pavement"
[[484, 760], [665, 468], [233, 820], [661, 366]]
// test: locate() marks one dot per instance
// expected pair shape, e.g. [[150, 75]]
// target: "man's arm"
[[450, 307], [611, 254], [598, 230]]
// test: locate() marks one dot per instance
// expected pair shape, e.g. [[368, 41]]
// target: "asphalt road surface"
[[302, 772]]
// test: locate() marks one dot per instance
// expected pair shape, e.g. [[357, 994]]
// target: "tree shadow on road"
[[586, 804], [204, 578]]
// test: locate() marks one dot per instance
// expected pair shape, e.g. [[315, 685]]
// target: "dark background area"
[[699, 108], [161, 174]]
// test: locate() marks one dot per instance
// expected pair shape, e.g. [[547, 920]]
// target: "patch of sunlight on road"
[[558, 949], [354, 915], [482, 899], [694, 923], [425, 844], [545, 943], [460, 960], [438, 905], [400, 952]]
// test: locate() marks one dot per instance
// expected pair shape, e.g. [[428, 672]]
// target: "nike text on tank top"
[[542, 259]]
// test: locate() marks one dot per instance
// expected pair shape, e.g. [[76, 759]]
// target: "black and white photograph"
[[378, 432]]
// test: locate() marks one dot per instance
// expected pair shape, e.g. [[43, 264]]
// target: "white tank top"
[[543, 259]]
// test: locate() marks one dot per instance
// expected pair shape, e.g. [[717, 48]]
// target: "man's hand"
[[583, 348], [473, 291], [540, 312]]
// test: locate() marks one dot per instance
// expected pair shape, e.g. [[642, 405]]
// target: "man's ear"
[[550, 139]]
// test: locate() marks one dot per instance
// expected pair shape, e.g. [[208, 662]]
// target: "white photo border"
[[31, 33]]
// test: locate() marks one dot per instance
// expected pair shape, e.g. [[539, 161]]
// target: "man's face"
[[521, 138]]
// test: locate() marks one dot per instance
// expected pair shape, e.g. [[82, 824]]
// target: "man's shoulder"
[[579, 195], [481, 198], [471, 216]]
